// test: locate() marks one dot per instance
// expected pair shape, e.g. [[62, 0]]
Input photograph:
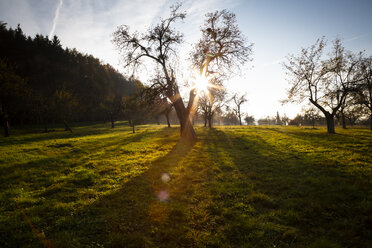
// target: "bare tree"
[[159, 46], [364, 89], [113, 104], [220, 53], [312, 114], [325, 82], [221, 48], [211, 102], [138, 107], [355, 112], [249, 119], [238, 101]]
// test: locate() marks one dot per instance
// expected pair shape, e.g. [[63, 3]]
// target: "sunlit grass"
[[236, 187]]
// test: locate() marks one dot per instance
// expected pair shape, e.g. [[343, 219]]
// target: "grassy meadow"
[[236, 187]]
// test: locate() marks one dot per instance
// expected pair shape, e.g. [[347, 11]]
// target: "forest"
[[42, 83]]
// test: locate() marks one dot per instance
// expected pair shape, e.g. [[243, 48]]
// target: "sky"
[[277, 29]]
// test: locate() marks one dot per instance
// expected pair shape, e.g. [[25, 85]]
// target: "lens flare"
[[165, 177]]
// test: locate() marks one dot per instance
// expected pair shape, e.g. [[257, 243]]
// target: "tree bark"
[[370, 122], [329, 117], [240, 116], [187, 130], [330, 124], [133, 130]]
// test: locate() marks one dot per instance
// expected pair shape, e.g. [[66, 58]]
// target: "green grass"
[[236, 187]]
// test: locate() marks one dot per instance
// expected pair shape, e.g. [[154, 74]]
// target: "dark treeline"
[[43, 83]]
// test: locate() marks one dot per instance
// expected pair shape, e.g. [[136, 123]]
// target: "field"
[[236, 187]]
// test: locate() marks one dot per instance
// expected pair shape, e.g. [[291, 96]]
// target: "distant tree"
[[64, 103], [238, 100], [278, 120], [165, 109], [135, 108], [297, 121], [114, 107], [363, 91], [285, 120], [161, 105], [230, 118], [355, 112], [326, 83], [267, 121], [311, 114], [249, 119], [210, 103]]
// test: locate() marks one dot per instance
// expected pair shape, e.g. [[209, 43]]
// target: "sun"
[[201, 84]]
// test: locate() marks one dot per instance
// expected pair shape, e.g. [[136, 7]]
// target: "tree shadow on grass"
[[81, 131], [247, 193], [275, 199], [358, 141], [51, 188], [136, 215], [71, 150]]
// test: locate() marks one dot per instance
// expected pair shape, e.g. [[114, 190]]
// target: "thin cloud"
[[357, 37], [55, 20]]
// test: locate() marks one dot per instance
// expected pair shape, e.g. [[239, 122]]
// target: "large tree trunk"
[[370, 122], [133, 130], [187, 130], [330, 124], [210, 121], [329, 117]]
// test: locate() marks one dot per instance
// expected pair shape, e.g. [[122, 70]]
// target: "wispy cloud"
[[55, 20], [275, 62], [357, 37]]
